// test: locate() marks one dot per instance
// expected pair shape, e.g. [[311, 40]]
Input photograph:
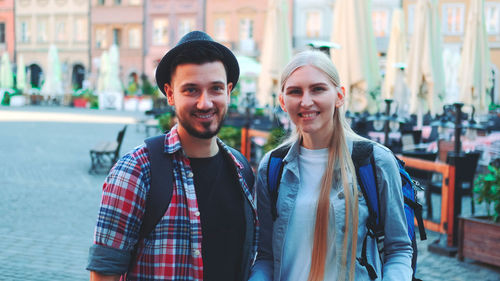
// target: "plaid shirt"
[[173, 249]]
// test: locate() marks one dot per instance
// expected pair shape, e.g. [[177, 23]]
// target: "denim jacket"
[[396, 263]]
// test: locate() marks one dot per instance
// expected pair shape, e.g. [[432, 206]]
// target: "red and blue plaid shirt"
[[173, 249]]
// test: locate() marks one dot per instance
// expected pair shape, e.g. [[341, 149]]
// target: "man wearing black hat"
[[209, 230]]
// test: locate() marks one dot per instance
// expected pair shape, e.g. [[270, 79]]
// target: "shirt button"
[[341, 195], [343, 228], [197, 213], [190, 174], [196, 253]]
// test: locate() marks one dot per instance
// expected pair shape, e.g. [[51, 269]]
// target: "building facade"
[[313, 21], [7, 42], [453, 15], [118, 22], [166, 22], [238, 24], [63, 23]]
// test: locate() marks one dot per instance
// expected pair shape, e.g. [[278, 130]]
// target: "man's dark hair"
[[197, 55]]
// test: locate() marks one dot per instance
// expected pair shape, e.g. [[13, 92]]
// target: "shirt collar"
[[172, 141], [173, 144]]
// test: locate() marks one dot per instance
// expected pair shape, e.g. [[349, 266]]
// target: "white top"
[[298, 242]]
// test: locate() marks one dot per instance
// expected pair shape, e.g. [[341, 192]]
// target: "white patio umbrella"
[[276, 51], [111, 93], [396, 53], [52, 85], [356, 60], [249, 73], [425, 74], [474, 76], [6, 75], [248, 66], [114, 83], [21, 74], [103, 72]]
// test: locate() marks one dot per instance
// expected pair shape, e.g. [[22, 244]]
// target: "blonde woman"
[[321, 213]]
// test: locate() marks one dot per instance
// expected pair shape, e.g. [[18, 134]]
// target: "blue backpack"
[[364, 162]]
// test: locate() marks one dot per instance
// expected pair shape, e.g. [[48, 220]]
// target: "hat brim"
[[163, 71]]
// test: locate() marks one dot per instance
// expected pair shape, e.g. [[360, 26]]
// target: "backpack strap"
[[366, 173], [160, 191], [364, 162], [248, 174], [274, 171]]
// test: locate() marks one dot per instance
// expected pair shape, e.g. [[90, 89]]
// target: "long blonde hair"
[[338, 156]]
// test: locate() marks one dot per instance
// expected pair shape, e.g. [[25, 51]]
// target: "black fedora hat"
[[192, 40]]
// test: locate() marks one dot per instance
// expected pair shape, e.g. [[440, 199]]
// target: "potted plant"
[[479, 236]]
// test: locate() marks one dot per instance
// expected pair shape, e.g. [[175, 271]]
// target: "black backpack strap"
[[363, 260], [247, 169], [274, 171], [160, 191]]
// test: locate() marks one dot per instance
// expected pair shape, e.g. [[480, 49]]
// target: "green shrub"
[[275, 138], [165, 121], [487, 187], [231, 136]]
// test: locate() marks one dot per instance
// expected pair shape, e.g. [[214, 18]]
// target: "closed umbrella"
[[114, 83], [474, 71], [425, 74], [356, 60], [103, 72], [6, 75], [276, 51], [111, 92], [21, 74], [396, 53], [52, 85]]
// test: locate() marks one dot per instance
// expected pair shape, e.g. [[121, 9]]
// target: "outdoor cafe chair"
[[465, 171]]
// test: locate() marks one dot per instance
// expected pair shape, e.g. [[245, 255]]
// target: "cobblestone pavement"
[[49, 203]]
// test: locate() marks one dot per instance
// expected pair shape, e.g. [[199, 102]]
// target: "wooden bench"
[[104, 155]]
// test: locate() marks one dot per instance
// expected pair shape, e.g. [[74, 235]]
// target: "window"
[[380, 20], [220, 29], [453, 19], [25, 32], [79, 30], [100, 38], [41, 33], [100, 2], [246, 29], [2, 32], [118, 2], [185, 25], [134, 38], [492, 17], [160, 32], [60, 30], [116, 36], [411, 18], [313, 24], [135, 2]]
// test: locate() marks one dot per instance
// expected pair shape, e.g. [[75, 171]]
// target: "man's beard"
[[206, 134]]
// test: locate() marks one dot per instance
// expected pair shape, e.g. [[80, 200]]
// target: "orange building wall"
[[7, 16]]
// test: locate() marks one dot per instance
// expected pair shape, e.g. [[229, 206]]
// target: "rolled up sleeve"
[[120, 215]]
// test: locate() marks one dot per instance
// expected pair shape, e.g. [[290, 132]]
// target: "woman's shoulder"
[[384, 157]]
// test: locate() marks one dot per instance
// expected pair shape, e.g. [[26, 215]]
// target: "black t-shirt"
[[220, 202]]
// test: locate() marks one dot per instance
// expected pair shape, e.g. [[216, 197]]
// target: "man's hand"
[[94, 276]]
